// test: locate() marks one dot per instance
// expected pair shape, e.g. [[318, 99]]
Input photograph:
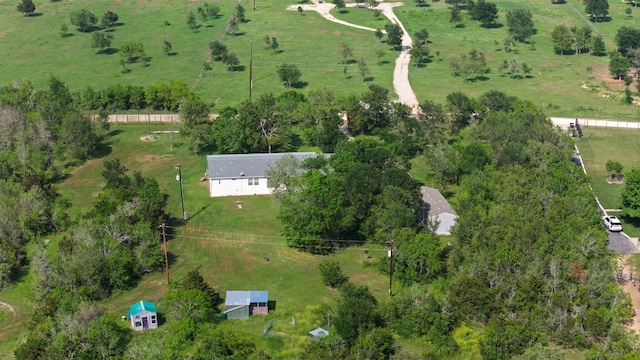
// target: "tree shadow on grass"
[[604, 19], [66, 35], [383, 62], [34, 15], [109, 51], [299, 85], [351, 61], [476, 79], [493, 26], [368, 79]]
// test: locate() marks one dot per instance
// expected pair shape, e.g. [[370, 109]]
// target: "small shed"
[[143, 316], [438, 209], [242, 304], [318, 333]]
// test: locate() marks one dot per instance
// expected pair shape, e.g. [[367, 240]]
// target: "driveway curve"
[[401, 84]]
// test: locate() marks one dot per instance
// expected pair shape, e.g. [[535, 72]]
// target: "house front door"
[[145, 323]]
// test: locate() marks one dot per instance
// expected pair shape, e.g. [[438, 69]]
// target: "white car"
[[612, 223]]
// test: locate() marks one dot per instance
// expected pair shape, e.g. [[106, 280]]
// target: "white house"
[[438, 209], [243, 174], [143, 316]]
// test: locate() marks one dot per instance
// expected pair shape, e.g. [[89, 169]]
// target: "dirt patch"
[[602, 74], [149, 138], [149, 158], [8, 307], [633, 289]]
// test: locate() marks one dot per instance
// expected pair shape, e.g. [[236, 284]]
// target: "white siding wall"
[[447, 221], [239, 186], [152, 320]]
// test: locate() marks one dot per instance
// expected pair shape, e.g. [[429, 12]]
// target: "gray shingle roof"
[[246, 165], [436, 202]]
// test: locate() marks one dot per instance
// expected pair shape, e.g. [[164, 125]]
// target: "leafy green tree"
[[597, 47], [84, 19], [77, 136], [420, 52], [618, 65], [520, 24], [191, 20], [27, 7], [345, 51], [614, 168], [196, 125], [194, 281], [356, 312], [379, 344], [101, 41], [394, 35], [233, 25], [455, 3], [631, 193], [212, 10], [63, 30], [422, 36], [218, 50], [240, 14], [331, 273], [203, 14], [627, 38], [363, 69], [231, 60], [484, 12], [131, 51], [562, 38], [167, 48], [109, 19], [455, 16], [505, 339], [597, 8], [273, 45], [189, 304], [289, 74], [340, 5]]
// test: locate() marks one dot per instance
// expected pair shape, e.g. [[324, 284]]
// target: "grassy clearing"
[[228, 244], [600, 145], [560, 84]]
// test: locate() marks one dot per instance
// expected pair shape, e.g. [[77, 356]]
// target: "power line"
[[267, 236], [273, 244]]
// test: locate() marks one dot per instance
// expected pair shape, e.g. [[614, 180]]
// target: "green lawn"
[[227, 243], [600, 145], [560, 84], [360, 16]]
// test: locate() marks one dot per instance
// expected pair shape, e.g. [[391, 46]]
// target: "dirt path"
[[633, 290], [401, 84]]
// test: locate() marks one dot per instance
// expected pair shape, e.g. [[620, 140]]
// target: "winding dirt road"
[[401, 84]]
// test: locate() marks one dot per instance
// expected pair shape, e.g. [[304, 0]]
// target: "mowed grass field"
[[561, 84], [569, 85], [32, 48], [600, 145]]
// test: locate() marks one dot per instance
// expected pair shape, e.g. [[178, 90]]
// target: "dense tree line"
[[527, 271]]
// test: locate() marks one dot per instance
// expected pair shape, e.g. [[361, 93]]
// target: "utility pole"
[[179, 178], [251, 69], [254, 5], [166, 257], [391, 267]]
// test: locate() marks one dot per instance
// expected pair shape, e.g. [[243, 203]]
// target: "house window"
[[138, 316], [138, 324], [153, 319], [254, 181]]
